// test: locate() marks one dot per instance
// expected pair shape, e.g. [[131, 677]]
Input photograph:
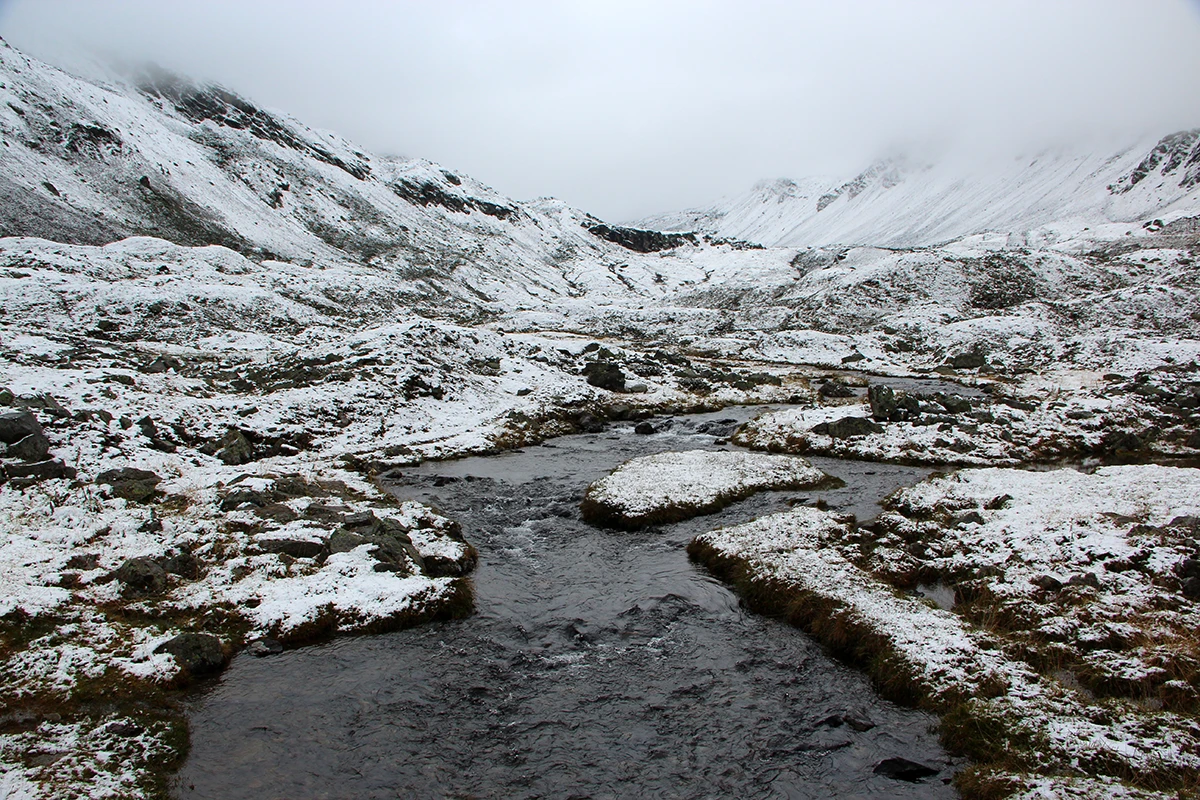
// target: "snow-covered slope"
[[899, 203], [85, 163]]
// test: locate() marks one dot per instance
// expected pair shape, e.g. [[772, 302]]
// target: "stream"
[[599, 664]]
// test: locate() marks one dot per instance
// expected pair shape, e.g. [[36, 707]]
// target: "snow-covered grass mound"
[[1023, 727], [667, 487]]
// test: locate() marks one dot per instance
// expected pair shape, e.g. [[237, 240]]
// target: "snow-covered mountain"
[[905, 203]]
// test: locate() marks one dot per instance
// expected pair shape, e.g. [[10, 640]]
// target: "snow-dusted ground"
[[263, 316], [670, 486]]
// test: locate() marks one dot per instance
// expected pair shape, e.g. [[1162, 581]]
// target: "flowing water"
[[599, 664]]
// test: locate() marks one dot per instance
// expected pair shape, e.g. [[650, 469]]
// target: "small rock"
[[131, 483], [524, 391], [198, 653], [971, 360], [123, 728], [643, 428], [954, 404], [636, 388], [902, 769], [998, 502], [142, 576], [590, 424], [40, 470], [344, 541]]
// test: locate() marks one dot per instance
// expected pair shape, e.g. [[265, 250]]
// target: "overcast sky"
[[628, 108]]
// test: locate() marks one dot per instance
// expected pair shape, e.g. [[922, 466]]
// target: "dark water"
[[599, 664]]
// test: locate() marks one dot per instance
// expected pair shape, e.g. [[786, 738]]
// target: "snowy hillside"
[[898, 203]]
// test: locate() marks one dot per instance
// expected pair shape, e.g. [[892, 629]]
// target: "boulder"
[[235, 448], [131, 483], [39, 470], [882, 400], [23, 434], [142, 576], [846, 427], [643, 428], [973, 359], [835, 388], [197, 653], [954, 404], [605, 375]]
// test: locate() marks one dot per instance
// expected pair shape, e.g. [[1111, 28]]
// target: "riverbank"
[[1066, 669]]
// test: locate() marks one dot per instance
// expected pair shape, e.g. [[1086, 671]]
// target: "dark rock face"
[[605, 375], [142, 576], [225, 108], [131, 483], [23, 434], [641, 241], [198, 653]]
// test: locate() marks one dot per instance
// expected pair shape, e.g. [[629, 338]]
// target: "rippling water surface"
[[599, 664]]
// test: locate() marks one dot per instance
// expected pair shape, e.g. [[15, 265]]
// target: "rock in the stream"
[[643, 428], [198, 653], [142, 576], [264, 647], [130, 483], [902, 769]]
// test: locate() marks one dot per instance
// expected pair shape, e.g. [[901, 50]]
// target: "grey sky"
[[627, 108]]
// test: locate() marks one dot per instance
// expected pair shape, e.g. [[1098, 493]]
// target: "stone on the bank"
[[605, 375], [198, 653]]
